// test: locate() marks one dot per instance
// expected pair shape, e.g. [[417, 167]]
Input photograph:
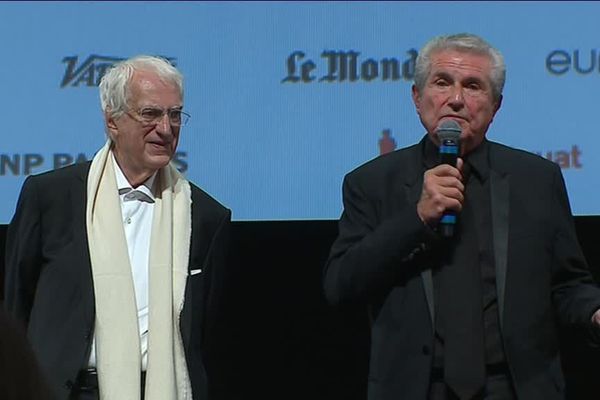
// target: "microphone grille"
[[449, 130]]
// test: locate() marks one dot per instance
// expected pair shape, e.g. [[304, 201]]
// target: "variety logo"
[[348, 66], [89, 72]]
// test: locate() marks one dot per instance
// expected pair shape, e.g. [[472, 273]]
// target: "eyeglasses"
[[152, 116]]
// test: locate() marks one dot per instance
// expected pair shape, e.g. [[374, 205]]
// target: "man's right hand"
[[443, 190]]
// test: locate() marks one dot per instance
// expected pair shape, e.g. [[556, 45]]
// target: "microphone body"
[[449, 134]]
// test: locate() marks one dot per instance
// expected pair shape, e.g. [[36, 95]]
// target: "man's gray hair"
[[114, 86], [463, 42]]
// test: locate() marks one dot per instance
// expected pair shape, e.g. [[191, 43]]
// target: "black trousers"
[[497, 387], [86, 387]]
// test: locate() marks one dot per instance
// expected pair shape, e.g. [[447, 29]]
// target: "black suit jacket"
[[380, 258], [49, 280]]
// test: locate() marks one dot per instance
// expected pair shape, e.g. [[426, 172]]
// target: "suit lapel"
[[428, 286], [413, 187], [79, 203], [196, 258], [185, 323], [414, 191], [500, 194]]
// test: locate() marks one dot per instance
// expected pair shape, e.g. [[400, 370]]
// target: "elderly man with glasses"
[[114, 265]]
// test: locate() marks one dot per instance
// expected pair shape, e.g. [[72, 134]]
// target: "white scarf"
[[118, 356]]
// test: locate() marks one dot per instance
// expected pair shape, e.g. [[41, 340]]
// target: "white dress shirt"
[[137, 209]]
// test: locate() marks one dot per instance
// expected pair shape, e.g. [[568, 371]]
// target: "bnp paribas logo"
[[90, 71]]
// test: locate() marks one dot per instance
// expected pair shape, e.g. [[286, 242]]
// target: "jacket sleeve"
[[576, 296], [214, 333], [218, 259], [23, 253], [373, 253]]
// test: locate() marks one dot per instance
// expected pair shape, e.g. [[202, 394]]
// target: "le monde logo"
[[348, 66], [90, 71]]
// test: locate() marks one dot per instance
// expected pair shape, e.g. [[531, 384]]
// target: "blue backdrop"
[[288, 97]]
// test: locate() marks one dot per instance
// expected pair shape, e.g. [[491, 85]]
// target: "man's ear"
[[111, 125], [498, 104], [497, 107], [416, 98]]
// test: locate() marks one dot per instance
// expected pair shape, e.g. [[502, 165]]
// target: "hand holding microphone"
[[442, 196]]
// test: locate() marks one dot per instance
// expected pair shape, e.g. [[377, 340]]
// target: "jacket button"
[[69, 384], [426, 350]]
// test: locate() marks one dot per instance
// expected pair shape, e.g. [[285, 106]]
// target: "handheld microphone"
[[449, 134]]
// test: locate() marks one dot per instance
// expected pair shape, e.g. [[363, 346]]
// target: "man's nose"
[[164, 124], [456, 99]]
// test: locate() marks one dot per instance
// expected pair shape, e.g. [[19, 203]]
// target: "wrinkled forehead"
[[462, 56], [149, 87], [461, 64]]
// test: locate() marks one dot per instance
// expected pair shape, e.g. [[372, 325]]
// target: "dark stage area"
[[278, 339]]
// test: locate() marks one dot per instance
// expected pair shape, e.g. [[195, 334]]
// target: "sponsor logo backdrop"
[[288, 97]]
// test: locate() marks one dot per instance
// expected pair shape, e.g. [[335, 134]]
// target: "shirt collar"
[[123, 183]]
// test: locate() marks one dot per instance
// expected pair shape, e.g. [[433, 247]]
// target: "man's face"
[[459, 88], [140, 148]]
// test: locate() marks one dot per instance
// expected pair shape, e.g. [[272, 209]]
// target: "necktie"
[[461, 309]]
